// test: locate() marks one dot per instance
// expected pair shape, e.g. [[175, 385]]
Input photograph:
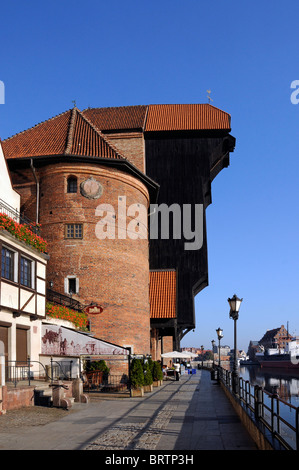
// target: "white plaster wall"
[[7, 193], [33, 336]]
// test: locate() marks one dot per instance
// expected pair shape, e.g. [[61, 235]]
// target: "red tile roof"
[[80, 133], [177, 117], [160, 117], [118, 118], [85, 139], [162, 294], [46, 138], [68, 133]]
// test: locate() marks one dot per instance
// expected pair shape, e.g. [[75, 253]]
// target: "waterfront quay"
[[192, 414]]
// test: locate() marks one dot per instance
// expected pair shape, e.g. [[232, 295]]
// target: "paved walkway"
[[191, 414]]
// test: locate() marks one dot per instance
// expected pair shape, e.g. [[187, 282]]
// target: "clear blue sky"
[[116, 53]]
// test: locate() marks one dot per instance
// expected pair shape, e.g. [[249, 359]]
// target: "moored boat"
[[287, 358]]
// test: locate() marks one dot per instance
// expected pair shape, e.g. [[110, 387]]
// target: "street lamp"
[[235, 304], [213, 345], [202, 349], [220, 336]]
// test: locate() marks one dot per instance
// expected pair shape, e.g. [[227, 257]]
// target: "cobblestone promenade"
[[192, 414]]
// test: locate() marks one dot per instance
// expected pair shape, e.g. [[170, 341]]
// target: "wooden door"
[[4, 339], [21, 338]]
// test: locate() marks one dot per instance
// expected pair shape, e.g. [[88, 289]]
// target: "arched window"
[[72, 184]]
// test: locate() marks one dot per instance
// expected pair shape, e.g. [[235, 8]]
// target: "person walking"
[[177, 369]]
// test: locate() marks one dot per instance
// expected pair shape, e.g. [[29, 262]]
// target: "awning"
[[178, 354], [62, 341]]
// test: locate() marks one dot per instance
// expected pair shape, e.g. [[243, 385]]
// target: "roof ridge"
[[36, 125], [116, 107], [188, 104], [70, 135], [101, 135]]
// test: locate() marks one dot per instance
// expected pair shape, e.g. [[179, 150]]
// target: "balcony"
[[64, 307], [65, 300], [21, 228], [17, 217]]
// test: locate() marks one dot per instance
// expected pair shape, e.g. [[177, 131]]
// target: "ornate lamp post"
[[235, 304], [220, 336], [202, 349], [213, 345]]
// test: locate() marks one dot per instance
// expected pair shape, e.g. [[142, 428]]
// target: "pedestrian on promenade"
[[177, 370]]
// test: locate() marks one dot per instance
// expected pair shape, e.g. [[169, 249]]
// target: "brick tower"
[[66, 169]]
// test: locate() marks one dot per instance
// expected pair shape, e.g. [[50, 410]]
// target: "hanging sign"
[[93, 309]]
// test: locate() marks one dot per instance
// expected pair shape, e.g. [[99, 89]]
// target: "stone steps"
[[43, 396]]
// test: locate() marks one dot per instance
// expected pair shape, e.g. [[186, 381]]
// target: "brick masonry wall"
[[157, 345], [15, 398], [131, 146], [113, 273], [154, 343]]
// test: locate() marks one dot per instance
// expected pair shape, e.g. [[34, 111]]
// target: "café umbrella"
[[178, 354]]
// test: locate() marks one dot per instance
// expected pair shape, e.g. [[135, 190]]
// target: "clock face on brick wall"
[[91, 188]]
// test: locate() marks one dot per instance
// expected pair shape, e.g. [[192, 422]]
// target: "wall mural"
[[57, 340]]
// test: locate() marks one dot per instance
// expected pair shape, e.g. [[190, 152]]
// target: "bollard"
[[78, 391], [59, 399]]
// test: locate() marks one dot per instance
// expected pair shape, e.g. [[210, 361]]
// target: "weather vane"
[[74, 103], [209, 97]]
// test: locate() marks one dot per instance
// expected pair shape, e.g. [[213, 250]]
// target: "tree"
[[137, 375], [148, 378], [157, 371]]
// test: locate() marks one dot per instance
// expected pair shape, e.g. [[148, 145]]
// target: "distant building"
[[253, 348], [276, 338], [224, 350]]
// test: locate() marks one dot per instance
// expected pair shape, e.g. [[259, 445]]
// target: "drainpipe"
[[37, 190]]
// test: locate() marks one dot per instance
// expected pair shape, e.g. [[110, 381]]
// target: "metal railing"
[[96, 381], [267, 410], [65, 300], [18, 217], [25, 371]]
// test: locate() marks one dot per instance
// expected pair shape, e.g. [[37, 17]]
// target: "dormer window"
[[72, 184]]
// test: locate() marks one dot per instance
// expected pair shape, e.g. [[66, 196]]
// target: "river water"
[[284, 383]]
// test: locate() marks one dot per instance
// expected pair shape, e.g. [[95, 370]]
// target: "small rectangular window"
[[72, 184], [7, 264], [72, 285], [25, 273], [74, 231]]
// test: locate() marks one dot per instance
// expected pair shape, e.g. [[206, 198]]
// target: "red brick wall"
[[15, 398], [131, 146], [113, 273], [155, 345]]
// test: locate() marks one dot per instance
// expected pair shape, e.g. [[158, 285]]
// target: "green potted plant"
[[148, 378], [137, 378], [101, 366], [157, 374], [97, 373]]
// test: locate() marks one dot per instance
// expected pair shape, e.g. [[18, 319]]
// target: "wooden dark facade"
[[184, 165]]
